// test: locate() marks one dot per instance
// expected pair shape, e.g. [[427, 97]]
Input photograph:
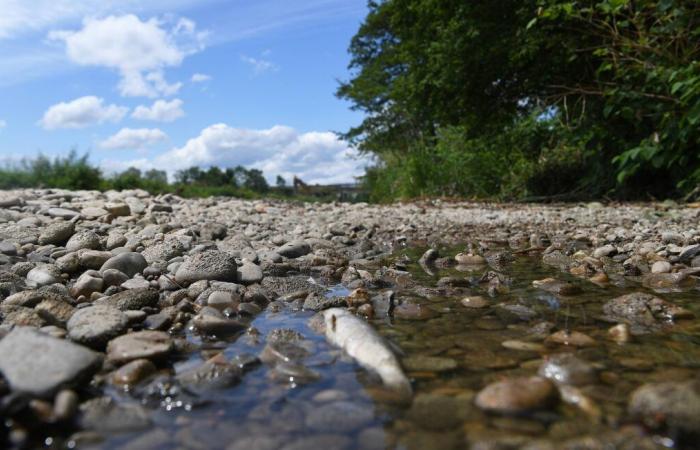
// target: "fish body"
[[345, 330]]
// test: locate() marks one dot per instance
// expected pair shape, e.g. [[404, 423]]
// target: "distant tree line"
[[76, 172], [518, 99]]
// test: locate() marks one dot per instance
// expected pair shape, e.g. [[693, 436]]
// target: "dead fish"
[[680, 279], [362, 342]]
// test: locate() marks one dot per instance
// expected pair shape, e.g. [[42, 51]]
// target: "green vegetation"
[[514, 99], [75, 172]]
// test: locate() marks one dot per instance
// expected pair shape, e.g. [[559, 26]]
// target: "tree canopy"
[[601, 97]]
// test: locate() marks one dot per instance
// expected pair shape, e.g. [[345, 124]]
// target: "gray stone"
[[55, 310], [93, 259], [44, 275], [319, 302], [8, 248], [105, 415], [208, 265], [94, 326], [643, 312], [117, 209], [131, 299], [341, 417], [675, 405], [249, 273], [606, 250], [85, 239], [661, 267], [86, 284], [164, 251], [294, 249], [114, 277], [57, 233], [63, 213], [129, 263], [38, 364], [69, 263], [141, 344]]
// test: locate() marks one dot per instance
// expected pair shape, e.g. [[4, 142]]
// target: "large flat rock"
[[39, 364]]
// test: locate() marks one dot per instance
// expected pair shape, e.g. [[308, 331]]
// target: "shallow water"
[[261, 412]]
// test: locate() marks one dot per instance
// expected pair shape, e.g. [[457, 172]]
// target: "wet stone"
[[319, 302], [133, 372], [517, 395], [293, 373], [573, 338], [436, 412], [643, 312], [475, 302], [675, 405], [343, 416], [413, 311], [103, 414], [141, 344], [318, 441], [421, 363], [213, 374], [557, 287]]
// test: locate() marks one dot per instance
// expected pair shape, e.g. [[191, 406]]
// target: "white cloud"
[[259, 65], [3, 124], [200, 78], [316, 157], [81, 112], [139, 50], [134, 138], [160, 111]]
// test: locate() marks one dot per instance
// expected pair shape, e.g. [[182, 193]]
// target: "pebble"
[[574, 338], [413, 311], [249, 273], [139, 344], [94, 326], [133, 372], [294, 249], [57, 233], [44, 275], [342, 416], [129, 263], [85, 239], [517, 395], [675, 405], [661, 267], [131, 299], [475, 302], [105, 415], [209, 265], [643, 312]]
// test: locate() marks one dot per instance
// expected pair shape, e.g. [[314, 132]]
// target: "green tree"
[[614, 82]]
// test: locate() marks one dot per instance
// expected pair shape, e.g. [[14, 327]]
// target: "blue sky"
[[179, 83]]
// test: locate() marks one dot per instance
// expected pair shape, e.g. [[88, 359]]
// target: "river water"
[[450, 353]]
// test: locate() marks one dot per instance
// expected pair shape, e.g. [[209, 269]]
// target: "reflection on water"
[[450, 355]]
